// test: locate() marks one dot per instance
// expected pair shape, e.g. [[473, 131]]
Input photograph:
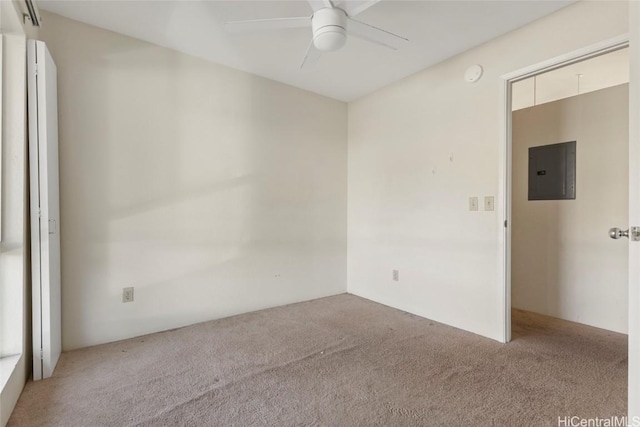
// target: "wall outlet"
[[488, 203], [396, 276], [127, 294], [473, 203]]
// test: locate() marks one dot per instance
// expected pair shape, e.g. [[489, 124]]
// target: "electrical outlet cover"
[[127, 294]]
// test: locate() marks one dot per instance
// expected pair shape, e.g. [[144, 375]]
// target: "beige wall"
[[563, 262], [420, 148], [14, 291], [211, 191], [171, 219], [15, 316]]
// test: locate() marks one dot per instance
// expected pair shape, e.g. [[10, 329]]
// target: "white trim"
[[7, 365], [504, 207], [36, 291], [634, 212], [578, 55], [503, 202]]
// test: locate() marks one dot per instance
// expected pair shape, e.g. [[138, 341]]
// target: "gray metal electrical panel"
[[552, 172]]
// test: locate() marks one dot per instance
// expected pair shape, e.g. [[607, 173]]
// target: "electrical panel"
[[552, 172]]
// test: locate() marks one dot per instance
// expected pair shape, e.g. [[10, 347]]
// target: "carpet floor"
[[337, 361]]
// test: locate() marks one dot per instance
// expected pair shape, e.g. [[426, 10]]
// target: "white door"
[[45, 209]]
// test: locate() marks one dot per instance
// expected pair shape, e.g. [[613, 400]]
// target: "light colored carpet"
[[339, 361]]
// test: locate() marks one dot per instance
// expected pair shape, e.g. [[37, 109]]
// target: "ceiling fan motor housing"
[[329, 29]]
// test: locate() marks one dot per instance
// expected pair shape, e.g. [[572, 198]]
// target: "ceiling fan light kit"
[[332, 21], [329, 29]]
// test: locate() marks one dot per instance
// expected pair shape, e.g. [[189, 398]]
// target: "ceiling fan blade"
[[311, 56], [316, 5], [355, 7], [375, 35], [268, 24]]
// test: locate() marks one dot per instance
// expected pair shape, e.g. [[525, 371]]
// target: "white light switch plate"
[[488, 203], [473, 203]]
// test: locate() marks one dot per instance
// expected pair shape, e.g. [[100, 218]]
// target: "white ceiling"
[[436, 29]]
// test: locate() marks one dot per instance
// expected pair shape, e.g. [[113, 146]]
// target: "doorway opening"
[[566, 184], [557, 258], [569, 186]]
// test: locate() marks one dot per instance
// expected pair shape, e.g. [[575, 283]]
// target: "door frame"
[[634, 213], [34, 215], [504, 199], [505, 158]]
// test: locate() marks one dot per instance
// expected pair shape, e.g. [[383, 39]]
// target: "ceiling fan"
[[330, 23]]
